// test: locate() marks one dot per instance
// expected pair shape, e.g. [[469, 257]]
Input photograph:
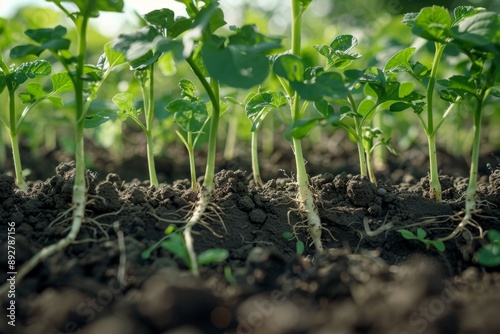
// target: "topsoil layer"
[[370, 279]]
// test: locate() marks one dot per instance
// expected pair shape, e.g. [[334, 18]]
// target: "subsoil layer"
[[370, 279]]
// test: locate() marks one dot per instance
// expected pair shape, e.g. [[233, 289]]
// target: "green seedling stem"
[[212, 89], [305, 195], [435, 185], [254, 144], [147, 88]]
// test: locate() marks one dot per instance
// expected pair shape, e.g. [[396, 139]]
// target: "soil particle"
[[246, 204], [361, 191], [257, 216], [134, 195], [107, 197], [6, 186]]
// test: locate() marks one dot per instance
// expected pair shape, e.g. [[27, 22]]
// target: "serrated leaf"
[[139, 46], [461, 12], [56, 100], [326, 84], [459, 84], [433, 23], [249, 39], [35, 90], [233, 67], [189, 115], [113, 57], [61, 82], [400, 62], [337, 52], [188, 88], [409, 19], [212, 255], [124, 101], [164, 18], [478, 30], [289, 67]]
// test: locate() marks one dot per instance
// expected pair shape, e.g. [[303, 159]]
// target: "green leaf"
[[94, 120], [48, 39], [56, 100], [289, 67], [259, 105], [324, 108], [408, 235], [92, 8], [433, 23], [124, 101], [248, 39], [326, 84], [337, 52], [495, 92], [399, 106], [139, 46], [163, 18], [299, 247], [233, 67], [35, 90], [409, 19], [493, 235], [27, 71], [213, 255], [61, 82], [459, 84], [300, 129], [439, 245], [461, 12], [288, 235], [175, 245], [188, 89], [400, 62], [421, 234], [189, 115], [478, 30]]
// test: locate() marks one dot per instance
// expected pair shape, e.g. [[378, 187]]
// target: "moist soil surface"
[[369, 280]]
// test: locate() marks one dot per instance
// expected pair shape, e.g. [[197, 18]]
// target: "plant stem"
[[148, 96], [255, 159], [435, 185], [212, 89], [305, 195], [470, 197], [16, 156], [192, 165]]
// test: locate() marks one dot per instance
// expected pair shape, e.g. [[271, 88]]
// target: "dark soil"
[[370, 280]]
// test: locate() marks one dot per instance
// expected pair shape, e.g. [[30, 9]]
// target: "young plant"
[[436, 25], [191, 115], [299, 244], [86, 80], [476, 35], [379, 93], [176, 245], [12, 78], [422, 237]]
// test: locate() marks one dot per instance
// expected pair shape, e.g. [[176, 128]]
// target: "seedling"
[[299, 245], [175, 244], [489, 254], [436, 25], [85, 79], [12, 78], [191, 115], [354, 117], [422, 237]]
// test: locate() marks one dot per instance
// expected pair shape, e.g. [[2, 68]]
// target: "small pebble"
[[381, 191]]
